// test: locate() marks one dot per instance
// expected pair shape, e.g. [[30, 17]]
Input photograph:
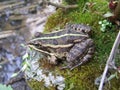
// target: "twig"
[[112, 54], [9, 2], [12, 5], [60, 6], [5, 34]]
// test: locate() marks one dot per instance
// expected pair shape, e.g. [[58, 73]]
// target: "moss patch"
[[36, 85]]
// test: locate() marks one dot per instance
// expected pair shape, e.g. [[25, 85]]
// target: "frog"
[[72, 44]]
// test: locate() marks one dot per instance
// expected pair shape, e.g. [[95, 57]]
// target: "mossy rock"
[[49, 77], [41, 75], [81, 78]]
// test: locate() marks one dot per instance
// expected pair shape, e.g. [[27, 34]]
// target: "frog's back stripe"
[[57, 46], [55, 33], [57, 37]]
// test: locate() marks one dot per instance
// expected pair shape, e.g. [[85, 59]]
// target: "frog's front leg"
[[79, 54], [52, 59]]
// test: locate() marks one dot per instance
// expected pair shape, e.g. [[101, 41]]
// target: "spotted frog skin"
[[72, 43]]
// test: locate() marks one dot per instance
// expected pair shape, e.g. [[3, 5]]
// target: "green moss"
[[77, 79], [90, 16], [82, 79], [36, 85], [58, 21]]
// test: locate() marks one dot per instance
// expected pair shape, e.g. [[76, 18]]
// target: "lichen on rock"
[[45, 76]]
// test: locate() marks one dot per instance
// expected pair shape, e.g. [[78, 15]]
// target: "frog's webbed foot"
[[71, 67], [76, 65]]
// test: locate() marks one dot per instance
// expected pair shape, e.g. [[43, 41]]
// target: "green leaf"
[[14, 74], [24, 67], [102, 29], [108, 14], [71, 86], [112, 76], [4, 87], [23, 45], [103, 25], [104, 21], [25, 56]]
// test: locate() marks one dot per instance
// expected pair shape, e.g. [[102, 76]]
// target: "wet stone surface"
[[11, 53], [41, 74]]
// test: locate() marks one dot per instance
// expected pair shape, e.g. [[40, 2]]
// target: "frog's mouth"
[[36, 43]]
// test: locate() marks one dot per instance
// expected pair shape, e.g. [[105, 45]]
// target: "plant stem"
[[110, 59]]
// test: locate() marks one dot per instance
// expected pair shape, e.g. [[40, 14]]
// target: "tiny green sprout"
[[23, 45], [25, 56], [14, 74], [104, 21], [102, 29], [105, 25], [24, 66], [71, 86], [100, 22], [112, 76]]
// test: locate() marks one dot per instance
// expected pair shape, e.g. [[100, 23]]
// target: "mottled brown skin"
[[73, 43]]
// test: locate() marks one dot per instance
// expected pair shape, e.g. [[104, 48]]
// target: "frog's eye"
[[76, 28], [83, 30]]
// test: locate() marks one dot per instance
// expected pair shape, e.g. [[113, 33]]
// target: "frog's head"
[[34, 42]]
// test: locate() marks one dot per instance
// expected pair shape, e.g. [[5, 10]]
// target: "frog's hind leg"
[[77, 50], [80, 53], [87, 57]]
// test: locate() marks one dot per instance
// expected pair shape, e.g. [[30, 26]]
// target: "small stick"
[[5, 34], [112, 54], [60, 6], [11, 6]]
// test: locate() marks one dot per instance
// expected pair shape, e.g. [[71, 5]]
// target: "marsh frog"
[[72, 43]]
